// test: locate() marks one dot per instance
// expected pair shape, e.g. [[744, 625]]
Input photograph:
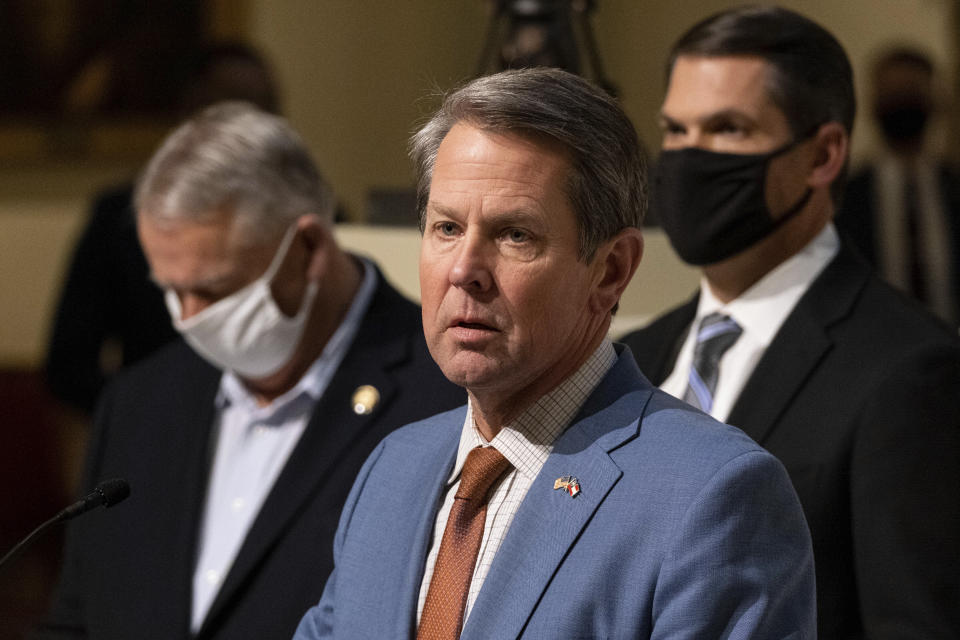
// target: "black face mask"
[[904, 121], [713, 205]]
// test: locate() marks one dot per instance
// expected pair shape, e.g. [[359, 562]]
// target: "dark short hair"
[[607, 187], [811, 79]]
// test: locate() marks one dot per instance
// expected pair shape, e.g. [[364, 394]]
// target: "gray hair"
[[607, 186], [232, 157]]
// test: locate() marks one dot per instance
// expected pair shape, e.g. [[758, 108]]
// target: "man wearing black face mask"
[[791, 337], [903, 209]]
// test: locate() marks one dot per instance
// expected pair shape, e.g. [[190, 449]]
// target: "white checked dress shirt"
[[253, 444], [760, 311], [526, 443]]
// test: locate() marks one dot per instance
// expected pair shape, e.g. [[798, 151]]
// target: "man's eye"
[[517, 235], [728, 128], [447, 228]]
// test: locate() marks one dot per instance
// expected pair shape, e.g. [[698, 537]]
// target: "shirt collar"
[[761, 310], [314, 382], [527, 441]]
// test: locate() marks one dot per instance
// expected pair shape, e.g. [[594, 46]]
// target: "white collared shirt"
[[252, 445], [526, 443], [760, 311]]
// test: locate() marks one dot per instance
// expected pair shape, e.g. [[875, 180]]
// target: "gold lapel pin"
[[365, 399], [569, 484]]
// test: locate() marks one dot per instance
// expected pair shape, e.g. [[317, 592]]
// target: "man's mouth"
[[470, 329], [475, 325]]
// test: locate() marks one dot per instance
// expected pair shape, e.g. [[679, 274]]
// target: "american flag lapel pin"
[[569, 484]]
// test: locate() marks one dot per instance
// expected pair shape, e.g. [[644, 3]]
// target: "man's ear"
[[318, 237], [831, 146], [616, 261]]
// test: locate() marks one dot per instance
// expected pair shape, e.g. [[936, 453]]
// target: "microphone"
[[107, 494]]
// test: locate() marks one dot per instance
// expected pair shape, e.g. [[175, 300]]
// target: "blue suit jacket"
[[684, 528]]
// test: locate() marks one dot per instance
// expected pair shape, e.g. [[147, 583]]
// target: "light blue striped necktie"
[[717, 333]]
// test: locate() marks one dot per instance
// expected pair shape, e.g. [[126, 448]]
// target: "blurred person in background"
[[109, 315], [902, 210], [240, 441]]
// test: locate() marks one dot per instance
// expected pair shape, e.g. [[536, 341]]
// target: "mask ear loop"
[[173, 302], [802, 201], [795, 208], [312, 285], [280, 255], [790, 145]]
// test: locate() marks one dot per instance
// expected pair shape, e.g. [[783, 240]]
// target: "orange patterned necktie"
[[442, 616]]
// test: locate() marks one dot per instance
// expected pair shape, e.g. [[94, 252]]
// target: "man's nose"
[[471, 266]]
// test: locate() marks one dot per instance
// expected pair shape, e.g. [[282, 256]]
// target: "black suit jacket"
[[859, 396], [128, 570]]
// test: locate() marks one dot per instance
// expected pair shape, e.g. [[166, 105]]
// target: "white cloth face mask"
[[246, 332]]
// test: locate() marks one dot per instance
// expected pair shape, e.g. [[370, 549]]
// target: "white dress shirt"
[[252, 446], [760, 311], [526, 443]]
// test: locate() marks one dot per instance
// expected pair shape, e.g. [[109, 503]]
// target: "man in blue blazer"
[[569, 498]]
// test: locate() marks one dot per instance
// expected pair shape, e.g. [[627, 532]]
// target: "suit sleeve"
[[741, 562], [318, 622], [905, 501], [82, 321]]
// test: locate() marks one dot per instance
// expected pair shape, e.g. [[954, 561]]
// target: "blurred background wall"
[[355, 77]]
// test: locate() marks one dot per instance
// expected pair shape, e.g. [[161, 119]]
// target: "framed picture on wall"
[[100, 78]]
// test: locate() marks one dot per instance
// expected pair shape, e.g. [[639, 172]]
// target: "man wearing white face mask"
[[241, 447]]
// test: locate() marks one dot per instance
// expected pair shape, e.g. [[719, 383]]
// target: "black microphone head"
[[113, 491]]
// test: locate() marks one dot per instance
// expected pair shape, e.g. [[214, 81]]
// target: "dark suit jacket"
[[856, 219], [128, 570], [859, 396]]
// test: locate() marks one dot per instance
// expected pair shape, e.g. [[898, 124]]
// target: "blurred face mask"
[[713, 205], [246, 332], [903, 120]]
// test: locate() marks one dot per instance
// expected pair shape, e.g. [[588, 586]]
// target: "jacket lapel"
[[657, 346], [185, 483], [423, 512], [397, 512], [799, 346], [549, 521], [332, 429]]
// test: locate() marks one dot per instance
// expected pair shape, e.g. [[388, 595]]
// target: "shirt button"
[[237, 504], [212, 576]]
